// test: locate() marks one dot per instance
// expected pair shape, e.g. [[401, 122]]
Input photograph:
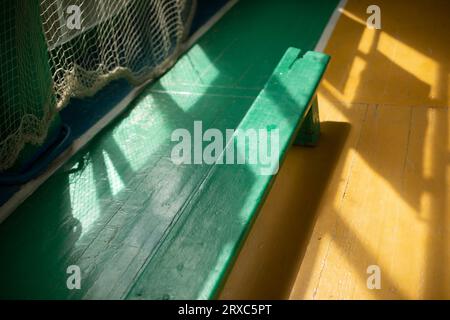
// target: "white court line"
[[328, 31]]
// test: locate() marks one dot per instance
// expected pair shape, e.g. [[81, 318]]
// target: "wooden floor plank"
[[385, 198], [394, 211]]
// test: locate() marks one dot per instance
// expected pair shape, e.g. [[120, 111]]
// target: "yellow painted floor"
[[376, 189]]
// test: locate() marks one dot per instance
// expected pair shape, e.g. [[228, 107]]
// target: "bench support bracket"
[[310, 129]]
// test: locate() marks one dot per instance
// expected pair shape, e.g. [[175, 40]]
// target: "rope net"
[[53, 50]]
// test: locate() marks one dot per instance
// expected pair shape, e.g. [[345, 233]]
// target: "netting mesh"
[[47, 57], [27, 102], [118, 38]]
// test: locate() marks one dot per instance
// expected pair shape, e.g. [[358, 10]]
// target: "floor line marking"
[[328, 31]]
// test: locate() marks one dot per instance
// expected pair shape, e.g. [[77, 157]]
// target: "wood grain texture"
[[203, 242], [111, 206], [375, 190], [388, 205]]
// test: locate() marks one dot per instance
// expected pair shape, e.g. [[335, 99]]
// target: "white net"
[[27, 102], [104, 39], [87, 44]]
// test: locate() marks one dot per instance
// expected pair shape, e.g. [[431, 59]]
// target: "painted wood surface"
[[375, 191], [108, 210], [198, 251], [388, 201]]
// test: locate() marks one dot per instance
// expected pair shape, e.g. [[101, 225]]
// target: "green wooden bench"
[[137, 225], [157, 231], [198, 251]]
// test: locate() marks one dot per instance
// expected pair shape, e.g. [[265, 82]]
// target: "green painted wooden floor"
[[109, 207]]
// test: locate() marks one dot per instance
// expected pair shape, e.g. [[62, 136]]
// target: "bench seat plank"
[[199, 249]]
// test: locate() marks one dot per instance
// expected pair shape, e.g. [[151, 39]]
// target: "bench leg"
[[310, 130]]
